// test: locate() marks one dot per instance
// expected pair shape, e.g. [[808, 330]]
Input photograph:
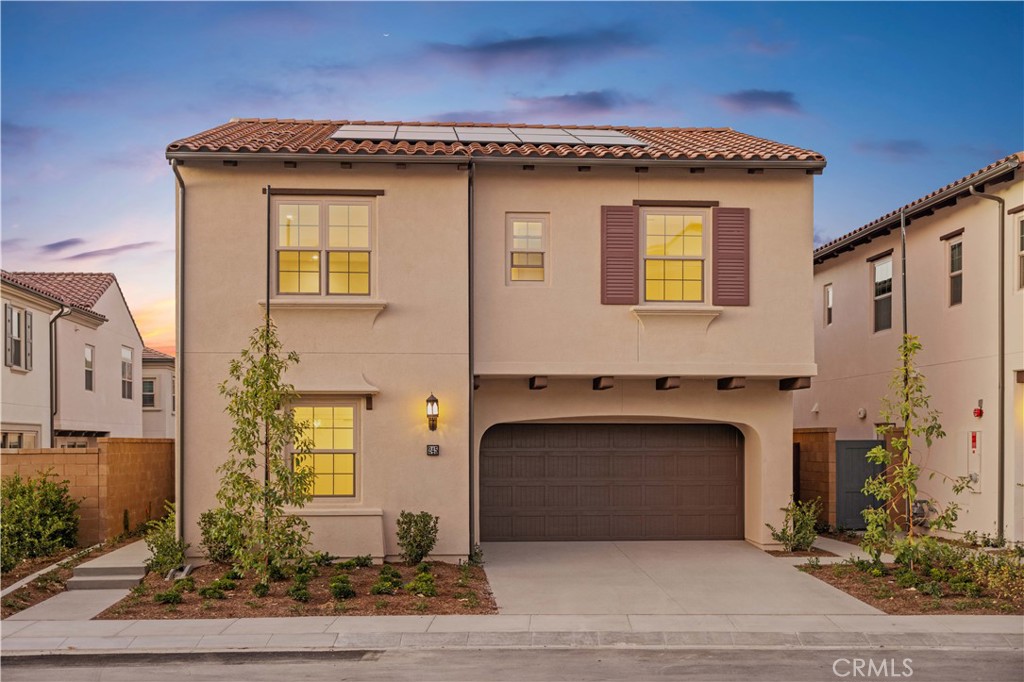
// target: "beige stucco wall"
[[959, 357], [103, 408], [416, 345], [26, 394], [158, 421]]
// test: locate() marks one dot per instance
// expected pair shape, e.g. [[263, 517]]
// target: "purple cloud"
[[894, 150], [753, 101], [18, 138], [113, 251], [576, 107], [54, 247]]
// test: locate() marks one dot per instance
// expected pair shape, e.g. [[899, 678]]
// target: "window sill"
[[698, 314], [333, 506], [374, 306], [18, 370], [152, 409]]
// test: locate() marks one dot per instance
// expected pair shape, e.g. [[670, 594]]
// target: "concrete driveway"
[[713, 577]]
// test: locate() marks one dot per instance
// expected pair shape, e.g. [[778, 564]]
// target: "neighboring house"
[[582, 302], [158, 406], [92, 377], [965, 300]]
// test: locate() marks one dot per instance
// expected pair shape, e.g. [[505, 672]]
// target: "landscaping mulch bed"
[[848, 538], [813, 551], [460, 590], [884, 594]]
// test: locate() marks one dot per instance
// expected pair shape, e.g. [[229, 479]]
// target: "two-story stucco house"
[[611, 320], [158, 400], [73, 360], [958, 284]]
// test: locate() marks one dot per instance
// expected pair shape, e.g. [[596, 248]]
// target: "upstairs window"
[[673, 256], [527, 236], [17, 337], [90, 355], [148, 392], [956, 273], [828, 305], [323, 247], [882, 272], [126, 373]]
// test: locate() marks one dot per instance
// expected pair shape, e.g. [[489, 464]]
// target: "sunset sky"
[[901, 98]]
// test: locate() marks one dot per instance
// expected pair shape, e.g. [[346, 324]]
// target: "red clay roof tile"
[[77, 289]]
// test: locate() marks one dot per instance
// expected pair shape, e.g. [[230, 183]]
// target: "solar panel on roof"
[[364, 132], [485, 135], [545, 136], [426, 134], [608, 137]]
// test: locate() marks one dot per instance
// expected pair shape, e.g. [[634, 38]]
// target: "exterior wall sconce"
[[432, 412]]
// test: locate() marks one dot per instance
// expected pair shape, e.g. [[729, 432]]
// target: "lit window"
[[90, 354], [882, 270], [18, 337], [673, 256], [318, 231], [148, 392], [828, 305], [527, 247], [126, 373], [956, 273], [331, 432]]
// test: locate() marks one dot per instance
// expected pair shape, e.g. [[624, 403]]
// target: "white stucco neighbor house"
[[72, 361], [158, 400]]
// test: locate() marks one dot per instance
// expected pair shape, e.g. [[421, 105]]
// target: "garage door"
[[611, 482]]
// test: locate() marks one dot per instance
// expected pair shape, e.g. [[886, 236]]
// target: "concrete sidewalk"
[[515, 631]]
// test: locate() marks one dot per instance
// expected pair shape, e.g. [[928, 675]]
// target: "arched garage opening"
[[589, 481]]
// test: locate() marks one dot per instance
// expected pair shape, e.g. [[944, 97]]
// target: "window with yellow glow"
[[330, 429], [323, 247], [674, 257], [527, 241]]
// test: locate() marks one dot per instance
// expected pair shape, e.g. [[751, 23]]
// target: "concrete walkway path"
[[719, 577]]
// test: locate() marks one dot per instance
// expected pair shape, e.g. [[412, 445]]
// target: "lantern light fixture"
[[432, 410]]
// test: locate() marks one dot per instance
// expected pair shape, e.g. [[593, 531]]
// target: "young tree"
[[258, 481], [896, 487]]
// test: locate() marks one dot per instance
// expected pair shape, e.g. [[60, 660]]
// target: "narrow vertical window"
[[956, 273], [174, 395], [16, 337], [828, 305], [882, 271], [331, 429], [126, 373], [673, 260], [90, 354], [298, 254], [348, 244], [148, 392], [527, 236]]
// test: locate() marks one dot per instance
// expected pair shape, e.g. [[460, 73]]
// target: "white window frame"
[[127, 373], [18, 433], [545, 250], [705, 257], [953, 274], [323, 248], [1020, 254], [828, 316], [155, 393], [89, 359], [875, 297], [18, 331]]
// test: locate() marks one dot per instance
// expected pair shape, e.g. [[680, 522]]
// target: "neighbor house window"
[[882, 271], [331, 432], [17, 337], [148, 392], [527, 236], [21, 439], [323, 246], [673, 256], [126, 373], [956, 272], [174, 394], [90, 355], [828, 305]]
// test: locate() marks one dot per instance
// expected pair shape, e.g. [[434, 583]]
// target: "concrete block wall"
[[133, 474], [818, 469]]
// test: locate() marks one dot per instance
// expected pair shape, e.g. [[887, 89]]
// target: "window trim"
[[18, 327], [1020, 254], [875, 298], [951, 274], [704, 259], [545, 233], [89, 359], [23, 430], [156, 392], [323, 202], [357, 418], [828, 301], [128, 378]]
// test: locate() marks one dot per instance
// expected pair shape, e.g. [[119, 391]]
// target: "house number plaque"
[[433, 450]]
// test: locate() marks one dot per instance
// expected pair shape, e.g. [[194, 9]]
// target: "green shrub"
[[185, 584], [931, 588], [168, 552], [322, 558], [341, 587], [423, 567], [221, 532], [797, 532], [276, 573], [261, 589], [39, 518], [171, 596], [476, 556], [388, 581], [299, 591], [233, 574], [417, 535], [211, 592], [906, 579], [224, 584], [423, 584], [361, 561]]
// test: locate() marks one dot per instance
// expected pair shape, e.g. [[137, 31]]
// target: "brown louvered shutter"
[[620, 255], [8, 332], [730, 252]]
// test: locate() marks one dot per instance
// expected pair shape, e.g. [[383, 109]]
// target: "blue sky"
[[900, 97]]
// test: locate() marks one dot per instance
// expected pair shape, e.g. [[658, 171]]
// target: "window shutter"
[[620, 255], [730, 252], [8, 343], [28, 340]]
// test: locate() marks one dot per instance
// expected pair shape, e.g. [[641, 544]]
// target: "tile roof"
[[154, 355], [77, 289], [951, 193], [314, 137]]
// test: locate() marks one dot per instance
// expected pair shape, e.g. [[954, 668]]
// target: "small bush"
[[476, 556], [361, 561], [423, 567], [906, 579], [224, 584], [221, 532], [261, 589], [39, 518], [299, 591], [931, 588], [171, 596], [185, 584], [423, 584], [322, 558], [168, 552], [276, 573], [417, 535], [233, 574], [388, 581], [341, 587], [797, 532], [211, 592], [813, 563]]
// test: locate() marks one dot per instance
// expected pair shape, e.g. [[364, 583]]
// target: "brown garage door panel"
[[611, 482]]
